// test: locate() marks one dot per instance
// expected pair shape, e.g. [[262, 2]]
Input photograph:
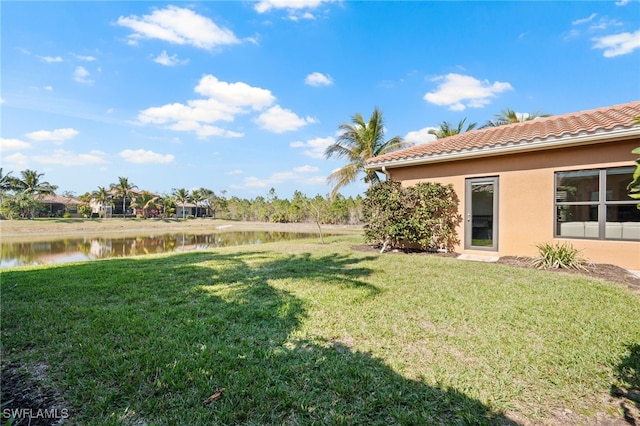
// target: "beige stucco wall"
[[526, 192]]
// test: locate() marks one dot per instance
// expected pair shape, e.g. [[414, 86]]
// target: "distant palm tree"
[[446, 129], [123, 189], [145, 201], [30, 183], [182, 197], [102, 196], [197, 196], [357, 143], [168, 205], [7, 182], [509, 116]]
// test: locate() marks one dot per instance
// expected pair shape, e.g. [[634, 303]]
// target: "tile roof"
[[57, 199], [525, 135]]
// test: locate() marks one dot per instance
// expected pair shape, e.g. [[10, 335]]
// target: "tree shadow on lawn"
[[148, 340], [628, 386]]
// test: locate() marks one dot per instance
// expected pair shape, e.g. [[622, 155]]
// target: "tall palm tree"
[[123, 189], [509, 116], [446, 129], [30, 183], [359, 141], [182, 197]]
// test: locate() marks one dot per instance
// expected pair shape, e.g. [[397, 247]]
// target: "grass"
[[303, 333]]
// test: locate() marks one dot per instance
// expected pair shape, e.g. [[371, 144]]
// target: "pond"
[[95, 247]]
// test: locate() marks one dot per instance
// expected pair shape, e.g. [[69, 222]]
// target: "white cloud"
[[223, 102], [266, 5], [81, 75], [584, 20], [279, 120], [187, 117], [13, 145], [207, 130], [84, 58], [57, 135], [234, 172], [306, 15], [421, 136], [51, 59], [318, 79], [48, 88], [298, 174], [68, 158], [251, 182], [140, 156], [617, 44], [306, 169], [622, 3], [168, 61], [461, 91], [15, 161], [236, 94], [604, 23], [315, 148], [179, 26]]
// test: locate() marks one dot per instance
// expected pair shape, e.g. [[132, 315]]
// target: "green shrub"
[[559, 256], [424, 215]]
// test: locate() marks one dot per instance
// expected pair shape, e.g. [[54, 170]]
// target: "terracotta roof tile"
[[528, 132]]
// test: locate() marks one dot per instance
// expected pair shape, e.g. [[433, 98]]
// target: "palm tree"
[[446, 129], [509, 116], [168, 205], [123, 189], [146, 200], [197, 196], [7, 182], [102, 196], [357, 143], [182, 197], [31, 184]]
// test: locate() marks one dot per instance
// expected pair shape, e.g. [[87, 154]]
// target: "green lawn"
[[304, 333]]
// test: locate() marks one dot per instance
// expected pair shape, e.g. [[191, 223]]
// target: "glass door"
[[481, 215]]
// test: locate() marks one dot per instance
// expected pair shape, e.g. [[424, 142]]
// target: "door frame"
[[468, 213]]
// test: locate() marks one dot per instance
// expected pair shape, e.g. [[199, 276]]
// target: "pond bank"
[[30, 230]]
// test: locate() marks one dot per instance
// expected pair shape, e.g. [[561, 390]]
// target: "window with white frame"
[[595, 204]]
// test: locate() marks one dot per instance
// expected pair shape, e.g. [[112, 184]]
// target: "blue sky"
[[245, 96]]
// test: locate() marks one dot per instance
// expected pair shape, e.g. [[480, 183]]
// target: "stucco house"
[[554, 179]]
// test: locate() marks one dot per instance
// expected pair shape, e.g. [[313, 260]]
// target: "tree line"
[[21, 199]]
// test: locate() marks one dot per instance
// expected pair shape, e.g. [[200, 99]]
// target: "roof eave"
[[512, 148]]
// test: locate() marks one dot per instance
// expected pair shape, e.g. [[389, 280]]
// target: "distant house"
[[190, 209], [56, 205], [554, 179]]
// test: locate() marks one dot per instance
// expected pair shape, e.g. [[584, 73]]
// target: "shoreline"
[[38, 229]]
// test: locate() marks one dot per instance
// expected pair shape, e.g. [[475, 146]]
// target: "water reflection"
[[91, 248]]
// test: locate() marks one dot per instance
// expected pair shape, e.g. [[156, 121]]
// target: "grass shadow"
[[137, 340]]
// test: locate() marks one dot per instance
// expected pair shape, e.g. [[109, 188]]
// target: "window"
[[595, 204]]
